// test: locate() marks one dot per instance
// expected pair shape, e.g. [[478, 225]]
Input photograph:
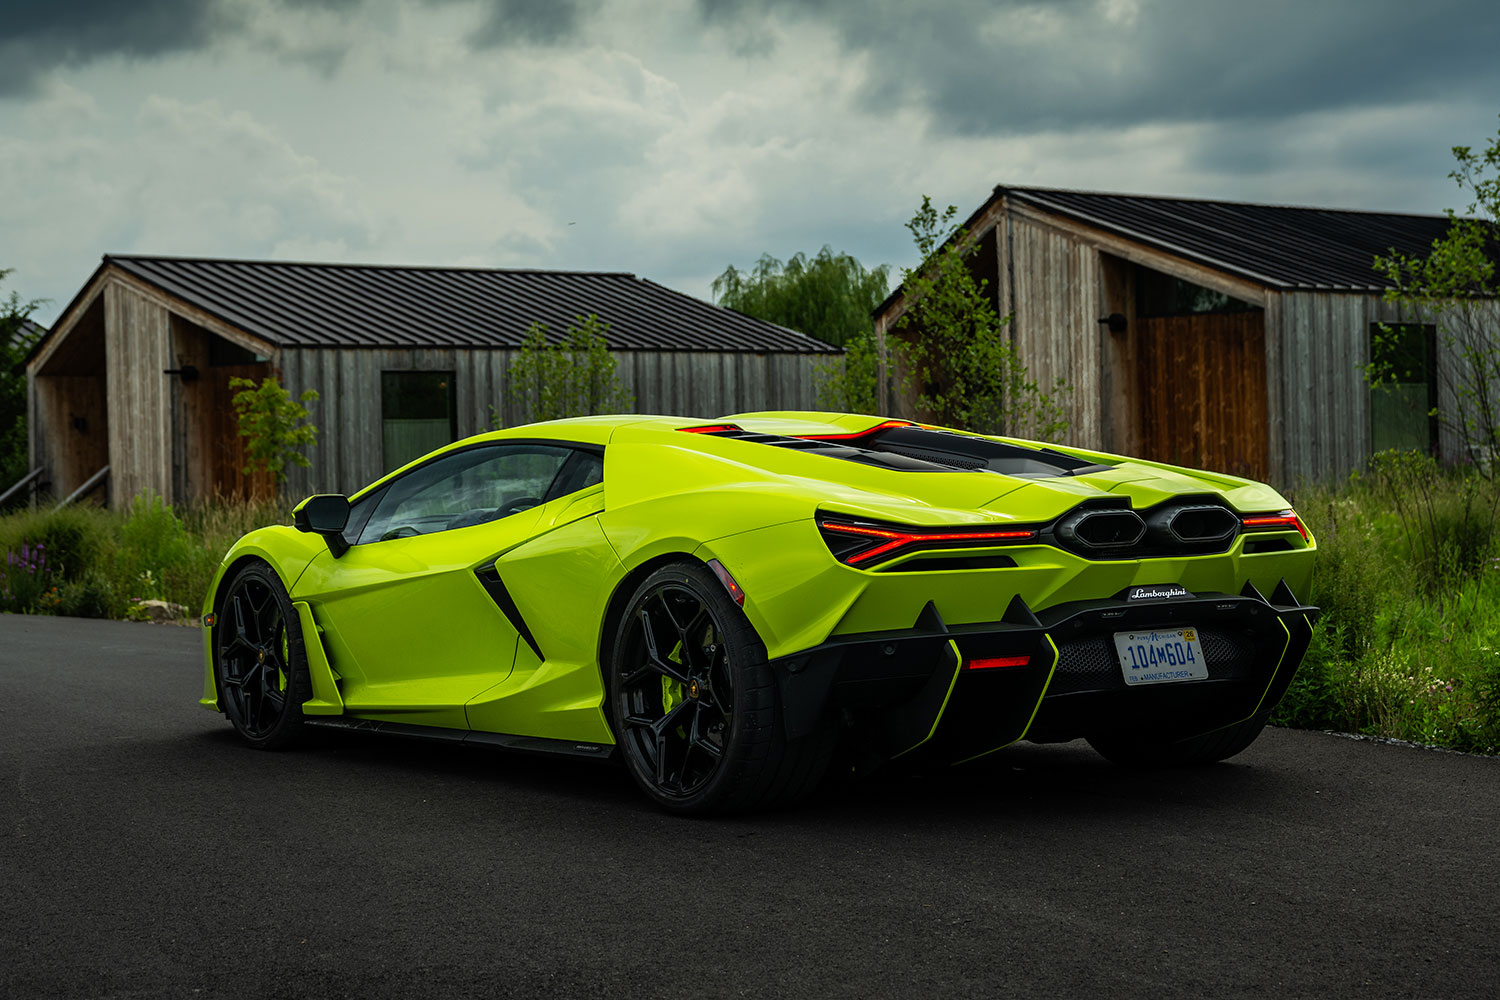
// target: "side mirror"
[[324, 514]]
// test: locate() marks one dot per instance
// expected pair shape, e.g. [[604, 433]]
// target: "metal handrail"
[[25, 481], [86, 488]]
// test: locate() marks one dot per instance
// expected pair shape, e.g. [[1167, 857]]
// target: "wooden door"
[[227, 448], [1201, 391]]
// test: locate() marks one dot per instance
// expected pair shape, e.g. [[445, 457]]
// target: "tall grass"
[[99, 563], [1408, 579]]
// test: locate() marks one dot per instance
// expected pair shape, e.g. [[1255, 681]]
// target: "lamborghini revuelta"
[[726, 604]]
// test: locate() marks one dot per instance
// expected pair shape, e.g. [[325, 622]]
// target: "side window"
[[359, 514], [464, 489], [584, 469]]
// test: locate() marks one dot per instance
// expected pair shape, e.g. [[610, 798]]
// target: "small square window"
[[418, 413]]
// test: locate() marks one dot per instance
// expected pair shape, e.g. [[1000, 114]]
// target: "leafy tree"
[[848, 383], [573, 378], [272, 424], [829, 296], [959, 364], [17, 338], [1454, 286]]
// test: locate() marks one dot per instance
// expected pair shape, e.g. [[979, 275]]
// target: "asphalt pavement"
[[145, 853]]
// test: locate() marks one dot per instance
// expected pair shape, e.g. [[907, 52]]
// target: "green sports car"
[[726, 606]]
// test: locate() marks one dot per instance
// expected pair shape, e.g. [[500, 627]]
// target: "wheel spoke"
[[719, 685], [692, 651], [239, 620], [249, 707], [654, 659], [661, 727], [699, 740]]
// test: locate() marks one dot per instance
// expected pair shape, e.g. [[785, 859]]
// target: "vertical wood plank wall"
[[1319, 403], [137, 349], [1317, 400], [347, 413], [1056, 303]]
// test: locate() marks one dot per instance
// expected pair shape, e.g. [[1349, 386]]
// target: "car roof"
[[598, 430]]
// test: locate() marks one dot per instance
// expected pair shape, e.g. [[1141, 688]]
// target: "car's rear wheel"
[[694, 701], [260, 660], [1155, 750]]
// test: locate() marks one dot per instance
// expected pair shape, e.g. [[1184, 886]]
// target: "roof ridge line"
[[1200, 199], [354, 265]]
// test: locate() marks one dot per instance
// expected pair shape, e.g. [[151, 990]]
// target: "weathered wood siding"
[[347, 413], [137, 349], [1317, 344], [1053, 291], [70, 452]]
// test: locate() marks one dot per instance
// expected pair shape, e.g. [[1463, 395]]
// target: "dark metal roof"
[[28, 329], [359, 305], [1279, 246]]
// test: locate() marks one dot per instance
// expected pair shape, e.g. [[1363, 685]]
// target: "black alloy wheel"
[[694, 702], [260, 660]]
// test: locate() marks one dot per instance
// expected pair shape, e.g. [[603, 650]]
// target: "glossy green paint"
[[325, 698], [563, 600], [412, 635]]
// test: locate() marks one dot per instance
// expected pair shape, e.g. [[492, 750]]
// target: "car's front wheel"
[[1156, 750], [694, 701], [260, 660]]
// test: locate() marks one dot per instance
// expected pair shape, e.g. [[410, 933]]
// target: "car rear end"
[[1092, 597]]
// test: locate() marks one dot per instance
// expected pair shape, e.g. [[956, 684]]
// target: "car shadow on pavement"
[[1067, 781]]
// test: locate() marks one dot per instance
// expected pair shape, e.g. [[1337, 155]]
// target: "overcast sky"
[[671, 138]]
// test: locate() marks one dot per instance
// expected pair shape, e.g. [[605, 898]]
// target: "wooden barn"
[[1211, 334], [131, 385]]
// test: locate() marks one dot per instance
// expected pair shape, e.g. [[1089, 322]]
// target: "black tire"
[[259, 659], [1134, 750], [694, 703]]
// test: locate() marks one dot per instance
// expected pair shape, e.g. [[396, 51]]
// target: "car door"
[[415, 631]]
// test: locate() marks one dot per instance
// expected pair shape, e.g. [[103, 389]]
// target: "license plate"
[[1161, 656]]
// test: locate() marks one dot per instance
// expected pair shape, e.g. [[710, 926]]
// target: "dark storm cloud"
[[1011, 67], [40, 34], [544, 22]]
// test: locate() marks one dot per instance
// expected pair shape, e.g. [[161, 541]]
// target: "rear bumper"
[[914, 690]]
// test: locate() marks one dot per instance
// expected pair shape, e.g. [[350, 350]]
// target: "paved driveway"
[[144, 853]]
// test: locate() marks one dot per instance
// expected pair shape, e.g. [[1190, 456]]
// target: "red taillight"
[[898, 538], [1272, 522], [991, 662], [709, 429], [857, 434]]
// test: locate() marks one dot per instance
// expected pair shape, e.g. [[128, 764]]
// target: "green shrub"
[[25, 578], [92, 596], [73, 538]]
